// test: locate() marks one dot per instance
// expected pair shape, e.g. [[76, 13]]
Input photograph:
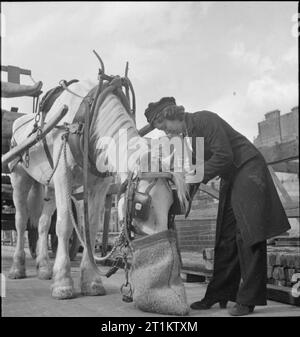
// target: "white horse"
[[28, 191]]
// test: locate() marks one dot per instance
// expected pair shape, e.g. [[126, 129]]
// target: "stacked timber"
[[283, 263], [193, 262], [8, 117]]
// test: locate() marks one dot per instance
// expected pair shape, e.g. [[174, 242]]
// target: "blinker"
[[141, 206]]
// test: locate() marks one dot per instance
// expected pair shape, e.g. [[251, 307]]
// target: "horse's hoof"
[[92, 289], [45, 274], [44, 270], [17, 273], [62, 293]]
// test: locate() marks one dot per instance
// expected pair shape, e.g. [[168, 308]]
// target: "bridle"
[[138, 204]]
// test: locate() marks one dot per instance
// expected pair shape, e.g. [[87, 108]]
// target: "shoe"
[[241, 309], [206, 303]]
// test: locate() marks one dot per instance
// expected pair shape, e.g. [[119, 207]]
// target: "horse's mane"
[[108, 121], [181, 187], [110, 132]]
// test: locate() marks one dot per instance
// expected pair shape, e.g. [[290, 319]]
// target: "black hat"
[[156, 107]]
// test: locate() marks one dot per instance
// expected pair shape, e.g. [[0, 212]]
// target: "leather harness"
[[76, 136], [45, 105]]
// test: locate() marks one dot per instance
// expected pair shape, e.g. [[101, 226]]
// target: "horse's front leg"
[[21, 183], [42, 262], [90, 278], [63, 286]]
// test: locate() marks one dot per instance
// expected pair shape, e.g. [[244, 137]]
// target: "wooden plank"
[[8, 117], [196, 272], [291, 209], [190, 278], [209, 190], [281, 294], [7, 190], [13, 73], [7, 225], [280, 152], [280, 186], [286, 167], [144, 130]]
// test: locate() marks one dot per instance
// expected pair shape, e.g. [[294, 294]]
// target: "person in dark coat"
[[249, 211]]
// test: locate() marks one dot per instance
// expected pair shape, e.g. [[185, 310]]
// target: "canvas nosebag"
[[155, 275]]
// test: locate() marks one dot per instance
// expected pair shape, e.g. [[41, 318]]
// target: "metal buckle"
[[76, 128]]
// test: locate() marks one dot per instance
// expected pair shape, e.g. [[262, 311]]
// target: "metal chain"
[[126, 288]]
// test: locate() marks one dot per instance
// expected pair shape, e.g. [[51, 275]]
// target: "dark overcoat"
[[244, 174]]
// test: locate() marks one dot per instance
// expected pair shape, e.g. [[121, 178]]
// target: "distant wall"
[[278, 128]]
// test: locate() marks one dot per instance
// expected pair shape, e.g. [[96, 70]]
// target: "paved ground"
[[31, 297]]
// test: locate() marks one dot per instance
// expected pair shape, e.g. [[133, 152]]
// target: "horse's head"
[[151, 197], [166, 190]]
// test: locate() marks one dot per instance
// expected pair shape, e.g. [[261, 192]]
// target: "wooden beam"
[[286, 167], [209, 190], [280, 186], [281, 152], [282, 294], [291, 209], [33, 139], [13, 73], [144, 130], [8, 118]]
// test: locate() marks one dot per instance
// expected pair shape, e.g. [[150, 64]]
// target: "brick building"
[[278, 128]]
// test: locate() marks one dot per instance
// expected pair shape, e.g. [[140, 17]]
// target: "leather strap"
[[46, 103], [75, 140], [47, 151]]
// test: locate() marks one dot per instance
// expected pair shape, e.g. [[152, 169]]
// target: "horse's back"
[[72, 98], [39, 165]]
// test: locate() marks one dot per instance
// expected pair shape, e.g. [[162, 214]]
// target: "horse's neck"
[[114, 138]]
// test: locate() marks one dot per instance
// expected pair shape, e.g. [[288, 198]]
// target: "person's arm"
[[215, 137]]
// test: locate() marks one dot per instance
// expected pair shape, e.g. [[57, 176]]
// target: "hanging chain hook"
[[126, 289]]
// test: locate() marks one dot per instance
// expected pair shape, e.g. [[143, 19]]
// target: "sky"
[[238, 59]]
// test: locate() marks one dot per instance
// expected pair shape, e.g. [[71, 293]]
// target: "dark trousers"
[[240, 271]]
